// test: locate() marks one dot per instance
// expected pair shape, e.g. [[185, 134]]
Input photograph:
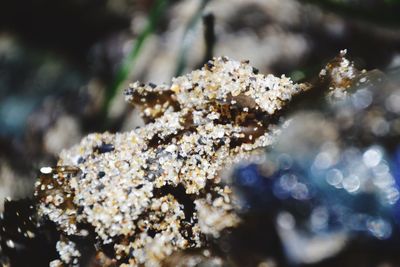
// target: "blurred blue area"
[[27, 76], [358, 193], [396, 174]]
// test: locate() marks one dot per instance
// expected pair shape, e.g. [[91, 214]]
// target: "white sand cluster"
[[156, 189], [341, 73]]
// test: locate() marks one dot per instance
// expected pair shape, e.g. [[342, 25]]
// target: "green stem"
[[129, 61]]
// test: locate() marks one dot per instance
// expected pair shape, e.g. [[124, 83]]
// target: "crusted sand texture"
[[157, 189]]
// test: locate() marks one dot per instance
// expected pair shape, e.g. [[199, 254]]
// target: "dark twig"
[[209, 36]]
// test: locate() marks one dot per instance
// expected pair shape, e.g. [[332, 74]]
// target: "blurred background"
[[64, 65]]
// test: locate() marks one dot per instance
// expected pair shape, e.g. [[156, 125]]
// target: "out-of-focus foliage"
[[376, 11]]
